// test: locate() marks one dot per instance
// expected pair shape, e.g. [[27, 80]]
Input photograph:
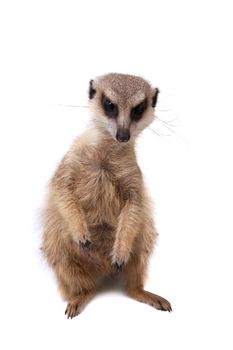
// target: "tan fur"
[[97, 194]]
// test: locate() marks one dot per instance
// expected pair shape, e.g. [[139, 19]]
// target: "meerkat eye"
[[137, 111], [111, 109], [109, 106]]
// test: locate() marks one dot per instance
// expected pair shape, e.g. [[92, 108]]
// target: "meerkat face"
[[122, 105]]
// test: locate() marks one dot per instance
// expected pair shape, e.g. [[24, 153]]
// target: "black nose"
[[123, 135]]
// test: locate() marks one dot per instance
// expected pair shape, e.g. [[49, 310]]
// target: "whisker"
[[169, 122], [164, 97], [165, 110], [69, 106], [158, 134], [168, 127], [176, 134]]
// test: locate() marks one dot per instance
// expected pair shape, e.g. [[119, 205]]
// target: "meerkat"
[[98, 220]]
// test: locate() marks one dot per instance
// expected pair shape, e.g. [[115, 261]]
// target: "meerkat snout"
[[123, 135]]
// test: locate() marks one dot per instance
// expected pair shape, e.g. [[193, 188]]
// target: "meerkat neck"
[[106, 141]]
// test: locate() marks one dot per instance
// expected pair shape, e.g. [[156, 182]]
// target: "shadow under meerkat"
[[97, 219]]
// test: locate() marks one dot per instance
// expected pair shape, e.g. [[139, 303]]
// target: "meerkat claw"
[[85, 244], [118, 267]]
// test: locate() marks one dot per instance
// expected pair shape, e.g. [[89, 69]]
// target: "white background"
[[49, 51]]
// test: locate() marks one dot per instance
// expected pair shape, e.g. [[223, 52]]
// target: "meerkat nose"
[[123, 135]]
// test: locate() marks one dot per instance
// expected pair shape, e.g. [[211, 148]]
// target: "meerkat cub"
[[97, 220]]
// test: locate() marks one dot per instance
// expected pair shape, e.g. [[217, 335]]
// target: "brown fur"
[[97, 217]]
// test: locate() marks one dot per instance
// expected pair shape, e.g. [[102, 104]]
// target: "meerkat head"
[[122, 105]]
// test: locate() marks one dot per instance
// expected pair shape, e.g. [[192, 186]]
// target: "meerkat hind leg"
[[135, 276], [76, 284], [151, 299]]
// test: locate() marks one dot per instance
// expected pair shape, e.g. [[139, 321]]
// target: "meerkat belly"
[[98, 194]]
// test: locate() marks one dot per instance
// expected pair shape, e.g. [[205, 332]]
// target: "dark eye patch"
[[110, 108], [137, 111]]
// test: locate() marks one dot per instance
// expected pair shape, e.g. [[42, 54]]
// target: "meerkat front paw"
[[120, 258], [82, 239], [118, 267], [85, 244]]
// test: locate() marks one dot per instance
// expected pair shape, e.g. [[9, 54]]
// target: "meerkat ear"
[[92, 91], [155, 97]]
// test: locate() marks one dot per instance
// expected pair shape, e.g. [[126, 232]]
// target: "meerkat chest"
[[104, 186]]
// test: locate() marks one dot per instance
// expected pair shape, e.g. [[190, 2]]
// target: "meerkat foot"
[[76, 305], [151, 299], [72, 309]]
